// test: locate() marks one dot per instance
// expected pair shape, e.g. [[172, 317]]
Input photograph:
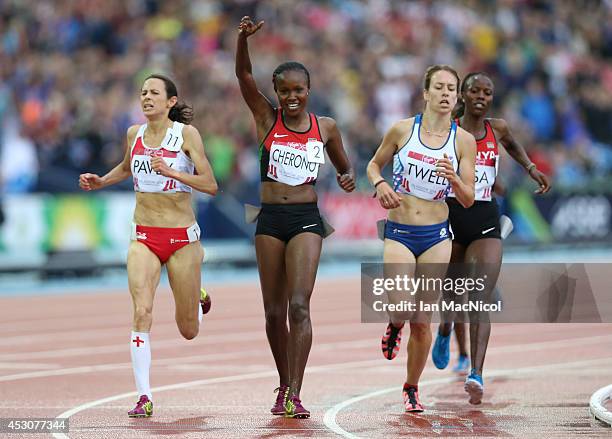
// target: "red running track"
[[70, 355]]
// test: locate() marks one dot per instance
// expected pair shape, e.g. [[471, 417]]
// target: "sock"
[[200, 312], [407, 386], [140, 349]]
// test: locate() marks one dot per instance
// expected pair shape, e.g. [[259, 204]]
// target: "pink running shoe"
[[294, 409], [205, 301], [411, 400], [143, 409], [279, 406], [390, 343]]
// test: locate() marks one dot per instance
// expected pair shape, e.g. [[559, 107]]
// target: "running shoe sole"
[[475, 390], [144, 415], [205, 303], [299, 416], [390, 354], [440, 353]]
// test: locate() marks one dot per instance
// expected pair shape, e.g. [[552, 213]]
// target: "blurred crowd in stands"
[[71, 70]]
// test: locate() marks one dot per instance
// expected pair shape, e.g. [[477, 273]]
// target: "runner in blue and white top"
[[431, 155], [414, 165]]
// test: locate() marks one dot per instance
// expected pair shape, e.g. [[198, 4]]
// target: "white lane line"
[[227, 379], [316, 369], [197, 359], [330, 415], [172, 361], [520, 347], [329, 419], [223, 288], [30, 366], [89, 334], [205, 338]]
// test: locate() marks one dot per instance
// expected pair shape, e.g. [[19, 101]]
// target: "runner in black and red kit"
[[289, 228], [476, 230]]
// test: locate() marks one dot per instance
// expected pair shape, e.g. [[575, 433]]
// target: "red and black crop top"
[[291, 157]]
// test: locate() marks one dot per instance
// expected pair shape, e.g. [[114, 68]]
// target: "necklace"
[[439, 134]]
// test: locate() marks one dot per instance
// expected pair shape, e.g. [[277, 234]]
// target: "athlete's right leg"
[[144, 269], [431, 264], [271, 265], [398, 261], [301, 261]]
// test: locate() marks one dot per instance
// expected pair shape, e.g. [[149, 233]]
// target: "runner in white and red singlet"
[[166, 159]]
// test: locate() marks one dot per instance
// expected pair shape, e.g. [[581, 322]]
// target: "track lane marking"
[[329, 419]]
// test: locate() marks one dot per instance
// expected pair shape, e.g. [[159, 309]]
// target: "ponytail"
[[181, 112]]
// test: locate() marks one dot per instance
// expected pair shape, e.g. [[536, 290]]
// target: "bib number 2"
[[314, 149]]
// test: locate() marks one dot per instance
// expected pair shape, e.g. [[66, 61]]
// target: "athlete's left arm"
[[337, 154], [463, 183], [204, 179], [517, 152]]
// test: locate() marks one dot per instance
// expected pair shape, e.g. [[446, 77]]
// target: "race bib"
[[173, 139], [484, 176], [289, 164], [314, 149]]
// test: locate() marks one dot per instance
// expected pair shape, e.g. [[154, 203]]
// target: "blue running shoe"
[[474, 387], [463, 365], [440, 354]]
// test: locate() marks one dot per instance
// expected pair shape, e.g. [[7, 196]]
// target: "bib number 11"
[[172, 142]]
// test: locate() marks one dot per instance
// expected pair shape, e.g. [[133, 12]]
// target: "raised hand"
[[247, 27]]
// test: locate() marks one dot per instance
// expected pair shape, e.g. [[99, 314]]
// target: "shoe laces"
[[282, 394], [297, 402], [142, 401], [412, 396]]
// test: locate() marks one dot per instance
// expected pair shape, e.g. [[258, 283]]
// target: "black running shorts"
[[284, 221], [477, 222]]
